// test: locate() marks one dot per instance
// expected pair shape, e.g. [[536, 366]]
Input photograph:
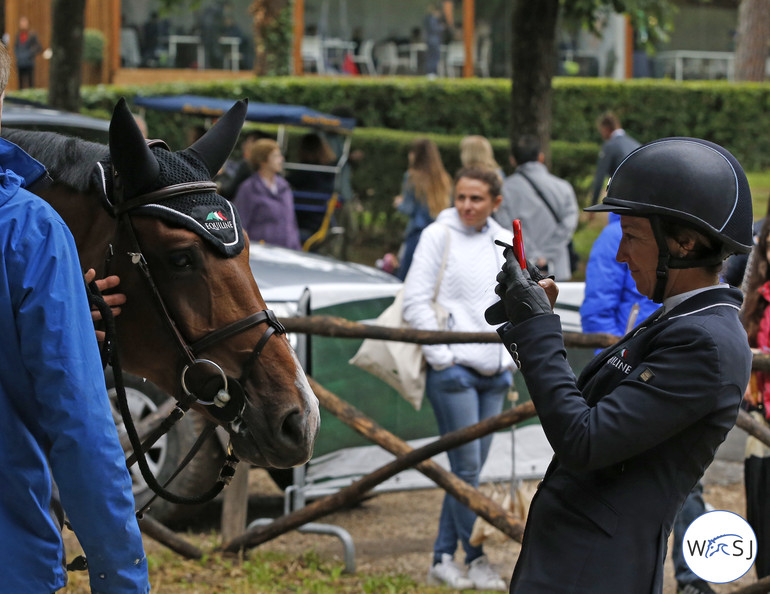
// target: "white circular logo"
[[719, 546]]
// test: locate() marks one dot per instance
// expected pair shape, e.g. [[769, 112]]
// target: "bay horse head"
[[195, 322]]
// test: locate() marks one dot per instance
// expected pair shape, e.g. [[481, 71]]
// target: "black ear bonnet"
[[151, 166]]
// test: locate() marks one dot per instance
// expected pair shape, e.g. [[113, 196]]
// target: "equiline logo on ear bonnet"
[[207, 214]]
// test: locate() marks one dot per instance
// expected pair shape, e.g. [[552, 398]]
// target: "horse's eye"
[[181, 260]]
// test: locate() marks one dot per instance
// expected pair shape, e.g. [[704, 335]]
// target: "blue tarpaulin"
[[267, 113]]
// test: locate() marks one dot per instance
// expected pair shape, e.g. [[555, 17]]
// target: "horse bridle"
[[225, 395]]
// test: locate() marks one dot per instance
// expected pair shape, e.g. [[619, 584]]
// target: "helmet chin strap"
[[664, 260], [667, 262]]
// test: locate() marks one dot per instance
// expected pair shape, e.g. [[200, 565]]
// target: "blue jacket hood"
[[18, 170]]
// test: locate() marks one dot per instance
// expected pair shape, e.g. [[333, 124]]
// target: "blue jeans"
[[461, 397], [692, 507], [410, 244]]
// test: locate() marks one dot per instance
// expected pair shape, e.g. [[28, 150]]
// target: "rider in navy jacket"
[[636, 431], [55, 416]]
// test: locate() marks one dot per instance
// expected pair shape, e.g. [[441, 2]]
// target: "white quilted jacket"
[[467, 289]]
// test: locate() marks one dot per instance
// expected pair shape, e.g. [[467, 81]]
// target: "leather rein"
[[225, 395]]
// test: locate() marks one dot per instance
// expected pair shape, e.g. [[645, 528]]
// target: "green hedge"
[[377, 179], [736, 115]]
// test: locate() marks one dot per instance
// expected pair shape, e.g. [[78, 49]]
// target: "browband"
[[195, 187]]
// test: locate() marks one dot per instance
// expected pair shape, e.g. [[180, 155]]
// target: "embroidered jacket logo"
[[216, 221], [618, 360]]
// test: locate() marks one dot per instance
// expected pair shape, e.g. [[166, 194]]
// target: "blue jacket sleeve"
[[603, 285], [73, 411], [409, 203]]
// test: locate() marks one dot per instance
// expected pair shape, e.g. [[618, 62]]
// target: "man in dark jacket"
[[636, 431], [617, 144], [26, 48]]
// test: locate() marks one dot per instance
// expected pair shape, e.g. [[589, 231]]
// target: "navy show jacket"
[[631, 438]]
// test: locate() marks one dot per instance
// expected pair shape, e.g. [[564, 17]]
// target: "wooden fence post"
[[482, 505], [235, 503]]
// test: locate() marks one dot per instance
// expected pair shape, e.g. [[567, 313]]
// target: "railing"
[[713, 64]]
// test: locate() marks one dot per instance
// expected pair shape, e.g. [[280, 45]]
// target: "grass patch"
[[258, 571], [759, 182]]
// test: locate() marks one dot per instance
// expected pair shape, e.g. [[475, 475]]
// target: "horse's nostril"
[[293, 430]]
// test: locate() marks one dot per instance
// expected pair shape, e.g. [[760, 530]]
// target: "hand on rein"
[[523, 293], [114, 300]]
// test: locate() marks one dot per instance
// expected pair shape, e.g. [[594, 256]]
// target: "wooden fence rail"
[[406, 457], [332, 326]]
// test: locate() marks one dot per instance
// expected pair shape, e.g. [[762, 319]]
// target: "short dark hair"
[[526, 149], [608, 120], [484, 175], [255, 134], [704, 247]]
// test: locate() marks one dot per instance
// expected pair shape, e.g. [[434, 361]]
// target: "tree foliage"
[[272, 36], [651, 20], [534, 49]]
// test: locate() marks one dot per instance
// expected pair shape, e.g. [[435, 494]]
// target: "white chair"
[[389, 58], [455, 58], [364, 57], [313, 52], [485, 50]]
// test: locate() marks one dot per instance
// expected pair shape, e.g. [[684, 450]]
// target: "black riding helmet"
[[690, 180]]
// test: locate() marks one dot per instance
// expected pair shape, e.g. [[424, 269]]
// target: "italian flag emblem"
[[216, 215]]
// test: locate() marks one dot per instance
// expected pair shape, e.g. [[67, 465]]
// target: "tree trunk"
[[534, 58], [753, 39], [68, 18]]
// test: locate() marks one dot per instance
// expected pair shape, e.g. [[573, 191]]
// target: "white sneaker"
[[482, 575], [447, 573]]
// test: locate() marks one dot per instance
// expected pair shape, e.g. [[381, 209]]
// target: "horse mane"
[[68, 160]]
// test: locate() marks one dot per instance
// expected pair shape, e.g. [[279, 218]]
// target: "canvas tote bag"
[[401, 365]]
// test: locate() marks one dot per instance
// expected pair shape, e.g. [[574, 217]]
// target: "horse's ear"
[[215, 146], [131, 158]]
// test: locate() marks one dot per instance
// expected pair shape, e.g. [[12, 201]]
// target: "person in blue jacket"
[[613, 305], [635, 432], [55, 419]]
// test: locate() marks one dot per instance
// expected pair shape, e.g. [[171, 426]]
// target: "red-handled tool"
[[518, 244]]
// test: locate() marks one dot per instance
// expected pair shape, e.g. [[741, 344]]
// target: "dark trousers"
[[26, 77], [756, 473]]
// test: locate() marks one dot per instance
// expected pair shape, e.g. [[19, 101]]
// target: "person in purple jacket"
[[264, 201]]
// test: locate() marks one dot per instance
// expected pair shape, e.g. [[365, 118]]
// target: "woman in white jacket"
[[467, 382]]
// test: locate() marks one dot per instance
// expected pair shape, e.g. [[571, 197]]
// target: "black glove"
[[520, 296]]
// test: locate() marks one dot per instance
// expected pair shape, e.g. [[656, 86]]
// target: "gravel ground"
[[394, 532]]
